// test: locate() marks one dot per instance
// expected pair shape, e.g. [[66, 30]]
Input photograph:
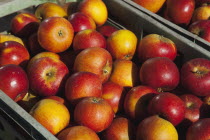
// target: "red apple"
[[179, 12], [154, 45], [114, 95], [55, 34], [160, 73], [195, 76], [106, 30], [24, 24], [120, 129], [169, 106], [13, 52], [82, 84], [137, 100], [96, 60], [14, 81], [94, 112], [201, 28], [81, 22], [88, 38], [47, 76], [200, 130], [192, 104]]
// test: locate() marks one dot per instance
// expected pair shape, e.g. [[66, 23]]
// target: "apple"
[[96, 60], [195, 76], [51, 114], [96, 9], [192, 104], [201, 28], [179, 12], [154, 45], [124, 73], [122, 44], [81, 22], [24, 24], [200, 130], [106, 30], [94, 112], [13, 52], [169, 106], [33, 45], [201, 13], [10, 37], [136, 102], [77, 133], [114, 95], [121, 128], [160, 73], [47, 76], [156, 128], [151, 5], [82, 84], [49, 9], [88, 38], [14, 81], [55, 34]]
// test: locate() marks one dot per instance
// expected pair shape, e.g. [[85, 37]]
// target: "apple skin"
[[121, 128], [55, 34], [96, 60], [179, 12], [88, 38], [160, 73], [137, 100], [200, 130], [13, 52], [201, 28], [78, 132], [81, 22], [169, 106], [94, 112], [14, 81], [24, 24], [114, 95], [195, 76], [49, 9], [154, 45], [201, 13], [47, 76], [82, 84], [96, 9], [106, 30], [156, 128]]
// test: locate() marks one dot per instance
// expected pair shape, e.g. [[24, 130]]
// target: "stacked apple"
[[82, 78], [192, 15]]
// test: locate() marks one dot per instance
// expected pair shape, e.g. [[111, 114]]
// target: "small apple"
[[201, 13], [200, 130], [122, 44], [94, 112], [201, 28], [24, 24], [169, 106], [14, 81], [82, 84], [160, 73], [88, 38], [81, 22], [55, 34], [106, 30], [154, 45], [195, 76], [13, 52], [47, 76], [96, 60]]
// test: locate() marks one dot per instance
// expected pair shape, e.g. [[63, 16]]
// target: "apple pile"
[[192, 15], [83, 78]]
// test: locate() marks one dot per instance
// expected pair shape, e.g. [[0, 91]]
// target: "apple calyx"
[[95, 100], [107, 68], [200, 71]]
